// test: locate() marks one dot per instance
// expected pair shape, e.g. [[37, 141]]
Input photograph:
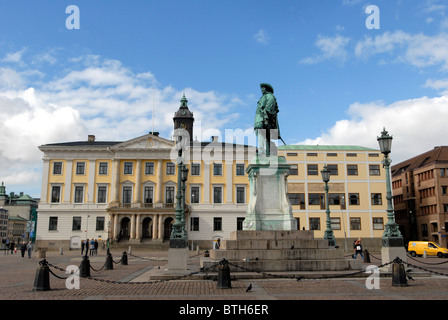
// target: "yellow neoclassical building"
[[126, 191]]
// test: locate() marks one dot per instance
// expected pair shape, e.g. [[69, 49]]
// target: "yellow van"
[[416, 248]]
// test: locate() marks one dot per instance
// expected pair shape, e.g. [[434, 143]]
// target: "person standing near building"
[[92, 246], [30, 249], [23, 249], [83, 244]]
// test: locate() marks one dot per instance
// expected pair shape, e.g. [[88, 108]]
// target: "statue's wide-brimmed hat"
[[267, 86]]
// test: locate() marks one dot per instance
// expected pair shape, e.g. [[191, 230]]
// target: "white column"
[[91, 183], [116, 181], [68, 181], [155, 226], [138, 182], [44, 186], [159, 186], [132, 235]]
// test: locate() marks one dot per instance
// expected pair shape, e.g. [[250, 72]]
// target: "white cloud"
[[14, 57], [98, 96], [330, 48], [417, 125], [418, 50], [261, 37]]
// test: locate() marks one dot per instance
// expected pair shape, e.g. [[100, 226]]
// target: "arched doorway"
[[124, 228], [147, 228], [167, 227]]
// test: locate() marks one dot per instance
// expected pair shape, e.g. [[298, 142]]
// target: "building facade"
[[357, 194], [420, 194], [126, 191], [22, 213]]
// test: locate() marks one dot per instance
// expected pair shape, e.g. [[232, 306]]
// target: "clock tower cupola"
[[183, 118]]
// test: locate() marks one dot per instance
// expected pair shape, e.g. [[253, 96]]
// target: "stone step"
[[284, 254], [272, 235], [287, 265], [273, 244]]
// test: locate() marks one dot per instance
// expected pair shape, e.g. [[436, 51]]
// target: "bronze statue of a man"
[[266, 122]]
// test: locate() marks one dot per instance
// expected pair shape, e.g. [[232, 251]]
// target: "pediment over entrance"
[[147, 141]]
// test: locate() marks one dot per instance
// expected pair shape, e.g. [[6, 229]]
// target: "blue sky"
[[336, 81]]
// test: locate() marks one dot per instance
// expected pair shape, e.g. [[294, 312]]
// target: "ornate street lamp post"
[[328, 235], [179, 237], [392, 236]]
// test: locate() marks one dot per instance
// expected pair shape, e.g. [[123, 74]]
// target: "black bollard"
[[42, 279], [109, 262], [224, 275], [366, 256], [124, 259], [84, 268], [398, 274]]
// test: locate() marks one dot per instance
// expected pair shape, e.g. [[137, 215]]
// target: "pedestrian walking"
[[96, 246], [11, 247], [30, 249], [23, 249], [83, 245], [358, 248]]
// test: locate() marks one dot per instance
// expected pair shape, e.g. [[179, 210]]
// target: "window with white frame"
[[79, 194]]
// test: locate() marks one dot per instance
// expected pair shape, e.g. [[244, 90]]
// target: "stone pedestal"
[[280, 251], [269, 207], [177, 261], [388, 254]]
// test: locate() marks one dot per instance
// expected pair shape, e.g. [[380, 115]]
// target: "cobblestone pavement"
[[128, 282]]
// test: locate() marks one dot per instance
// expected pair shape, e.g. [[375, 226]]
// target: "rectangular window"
[[217, 194], [315, 199], [217, 169], [169, 195], [378, 224], [424, 228], [355, 223], [194, 224], [335, 223], [149, 168], [170, 168], [79, 194], [53, 223], [297, 199], [312, 170], [195, 169], [314, 223], [334, 199], [100, 223], [80, 168], [103, 166], [194, 198], [293, 170], [148, 194], [353, 199], [55, 194], [127, 167], [217, 224], [76, 225], [376, 199], [57, 168], [240, 195], [127, 194], [239, 223], [240, 169], [102, 194], [374, 169], [352, 169], [333, 169]]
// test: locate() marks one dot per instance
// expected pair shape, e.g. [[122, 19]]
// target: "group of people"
[[90, 246], [24, 247]]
